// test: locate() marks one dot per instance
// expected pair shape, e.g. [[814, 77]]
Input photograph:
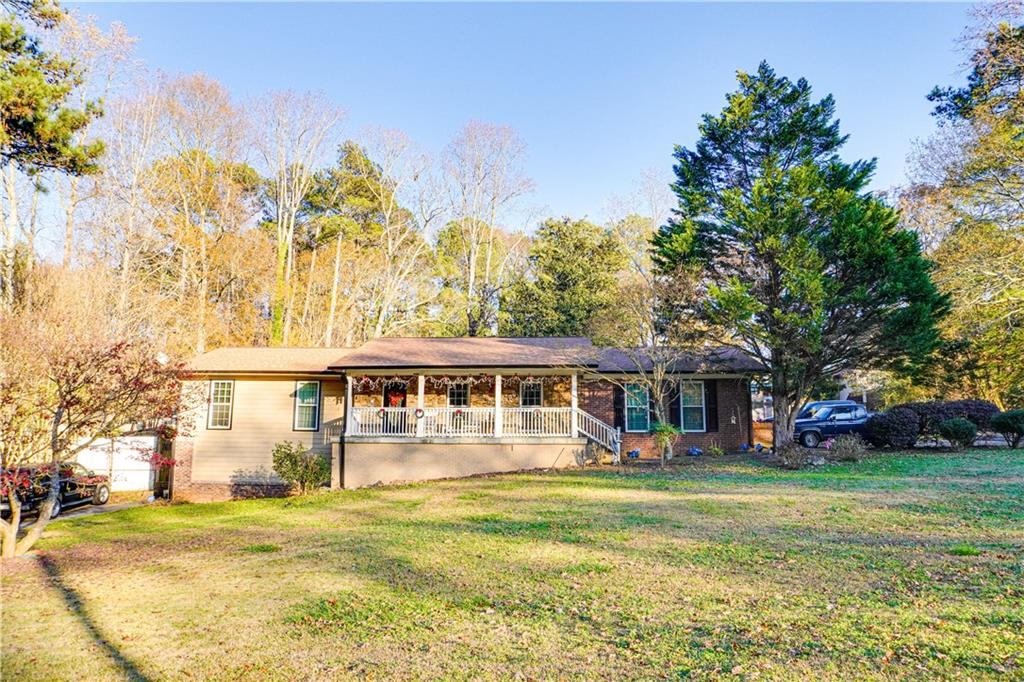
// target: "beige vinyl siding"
[[262, 415]]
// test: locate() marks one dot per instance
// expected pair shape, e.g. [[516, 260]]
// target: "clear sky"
[[599, 92]]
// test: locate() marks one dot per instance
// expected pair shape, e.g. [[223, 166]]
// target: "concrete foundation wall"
[[367, 463]]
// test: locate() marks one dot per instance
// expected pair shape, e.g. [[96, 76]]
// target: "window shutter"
[[711, 404], [653, 416], [619, 406], [675, 417]]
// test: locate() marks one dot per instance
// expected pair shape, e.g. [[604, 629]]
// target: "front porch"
[[507, 407]]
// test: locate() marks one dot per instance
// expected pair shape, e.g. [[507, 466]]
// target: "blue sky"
[[599, 92]]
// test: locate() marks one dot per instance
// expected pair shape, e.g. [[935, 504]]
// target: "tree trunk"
[[204, 284], [785, 420], [39, 526], [333, 307], [280, 293], [9, 539], [9, 247], [69, 220]]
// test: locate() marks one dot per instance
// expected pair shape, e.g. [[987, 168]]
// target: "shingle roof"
[[709, 362], [272, 360], [453, 353], [468, 352]]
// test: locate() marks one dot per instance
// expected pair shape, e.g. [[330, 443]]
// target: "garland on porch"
[[381, 381], [445, 380]]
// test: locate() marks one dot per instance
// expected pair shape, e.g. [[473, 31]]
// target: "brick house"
[[404, 409]]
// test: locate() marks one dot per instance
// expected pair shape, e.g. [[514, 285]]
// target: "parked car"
[[812, 407], [828, 419], [78, 485]]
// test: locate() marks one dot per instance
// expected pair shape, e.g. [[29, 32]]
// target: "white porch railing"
[[453, 422], [537, 421], [446, 422]]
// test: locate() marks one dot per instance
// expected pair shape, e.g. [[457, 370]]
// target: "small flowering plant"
[[828, 443]]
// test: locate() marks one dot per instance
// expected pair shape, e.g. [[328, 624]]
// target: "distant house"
[[406, 409]]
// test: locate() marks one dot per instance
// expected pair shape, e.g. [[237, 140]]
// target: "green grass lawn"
[[902, 566]]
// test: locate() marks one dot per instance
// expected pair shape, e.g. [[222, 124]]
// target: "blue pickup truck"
[[828, 419]]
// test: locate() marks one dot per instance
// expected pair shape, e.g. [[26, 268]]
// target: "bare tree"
[[483, 176], [292, 132], [105, 59]]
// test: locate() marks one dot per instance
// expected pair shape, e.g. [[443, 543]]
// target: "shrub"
[[848, 448], [897, 428], [664, 434], [793, 455], [978, 412], [959, 432], [929, 415], [932, 413], [1009, 425], [300, 467], [715, 449]]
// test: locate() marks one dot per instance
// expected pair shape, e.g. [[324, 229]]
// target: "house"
[[404, 409]]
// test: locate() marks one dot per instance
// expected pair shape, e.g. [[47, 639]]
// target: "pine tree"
[[800, 266]]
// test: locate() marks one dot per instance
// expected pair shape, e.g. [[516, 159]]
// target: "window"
[[307, 406], [691, 403], [458, 394], [860, 413], [531, 394], [638, 406], [222, 395], [842, 414]]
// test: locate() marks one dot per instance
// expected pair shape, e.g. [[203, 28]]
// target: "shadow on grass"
[[74, 604]]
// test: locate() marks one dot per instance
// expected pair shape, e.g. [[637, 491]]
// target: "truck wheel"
[[101, 496], [810, 439]]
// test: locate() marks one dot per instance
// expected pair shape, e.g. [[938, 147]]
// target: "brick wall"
[[734, 425], [185, 490]]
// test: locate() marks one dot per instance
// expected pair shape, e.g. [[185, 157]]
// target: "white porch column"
[[420, 423], [575, 402], [498, 421], [348, 405]]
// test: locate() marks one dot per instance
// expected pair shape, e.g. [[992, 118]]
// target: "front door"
[[394, 395]]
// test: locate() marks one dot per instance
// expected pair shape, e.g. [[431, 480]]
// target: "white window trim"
[[703, 408], [469, 394], [523, 384], [230, 404], [647, 407], [295, 407]]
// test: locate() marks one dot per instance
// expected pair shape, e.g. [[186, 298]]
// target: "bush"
[[1009, 425], [715, 449], [664, 434], [848, 448], [300, 467], [932, 413], [929, 415], [959, 432], [794, 455], [897, 428], [978, 412]]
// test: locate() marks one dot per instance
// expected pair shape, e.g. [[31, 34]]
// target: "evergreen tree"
[[37, 129], [571, 279], [800, 266]]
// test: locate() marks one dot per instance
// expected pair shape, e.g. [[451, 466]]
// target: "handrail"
[[601, 433]]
